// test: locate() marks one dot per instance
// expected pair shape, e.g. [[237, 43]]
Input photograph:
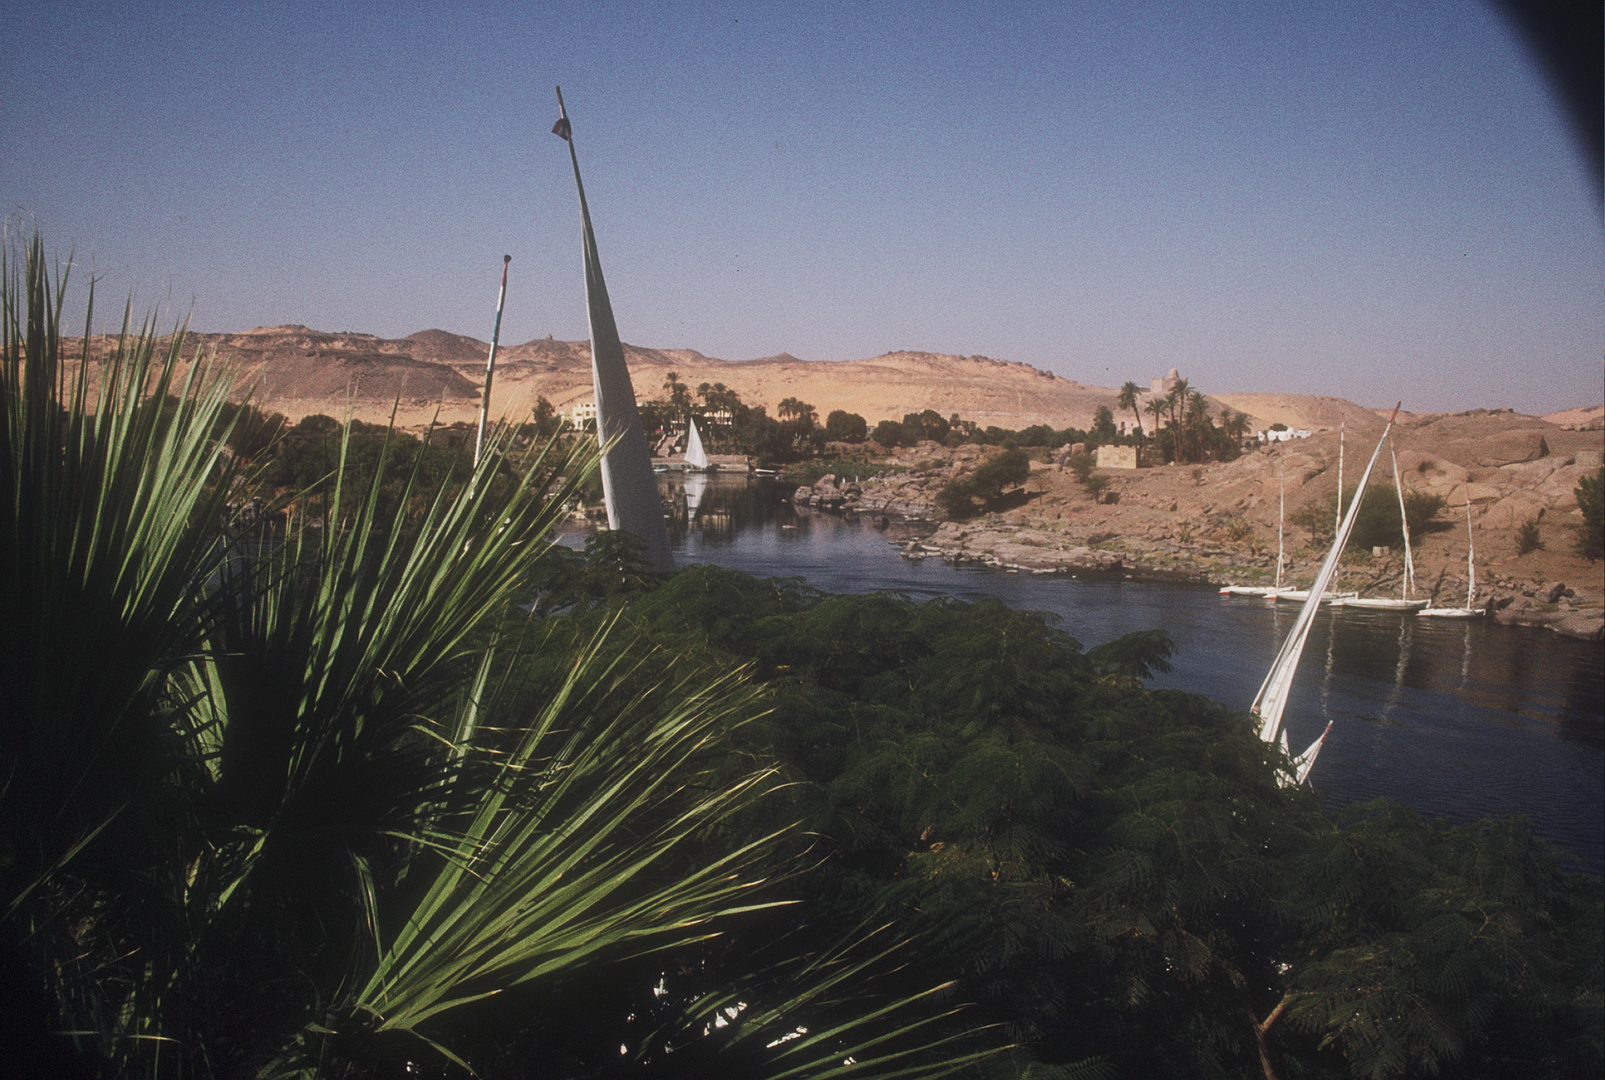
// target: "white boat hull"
[[1379, 603], [1298, 596], [1450, 612]]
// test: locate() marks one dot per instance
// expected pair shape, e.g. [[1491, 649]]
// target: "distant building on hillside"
[[1270, 436], [1165, 383], [1118, 457], [581, 414]]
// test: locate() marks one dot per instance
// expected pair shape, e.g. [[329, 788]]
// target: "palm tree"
[[679, 393], [279, 803], [1158, 407], [1197, 423], [1128, 400]]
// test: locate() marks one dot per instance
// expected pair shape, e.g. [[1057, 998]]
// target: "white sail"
[[695, 455], [628, 487], [1468, 611], [1271, 700], [1306, 761]]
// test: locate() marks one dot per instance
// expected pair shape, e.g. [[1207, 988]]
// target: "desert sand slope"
[[435, 375], [1585, 419], [1299, 411]]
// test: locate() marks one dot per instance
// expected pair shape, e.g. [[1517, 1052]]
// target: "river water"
[[1460, 718]]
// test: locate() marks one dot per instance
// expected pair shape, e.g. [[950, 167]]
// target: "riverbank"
[[1217, 522]]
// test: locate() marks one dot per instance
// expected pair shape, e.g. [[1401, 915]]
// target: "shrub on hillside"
[[958, 498], [1591, 501]]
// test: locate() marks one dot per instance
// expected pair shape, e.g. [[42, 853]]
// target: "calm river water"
[[1456, 718]]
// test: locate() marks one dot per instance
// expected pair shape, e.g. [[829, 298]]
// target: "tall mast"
[[1338, 522], [1273, 692], [490, 362], [1404, 525], [1281, 515], [629, 489]]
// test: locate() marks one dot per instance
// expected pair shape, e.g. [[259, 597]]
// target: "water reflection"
[[1461, 718]]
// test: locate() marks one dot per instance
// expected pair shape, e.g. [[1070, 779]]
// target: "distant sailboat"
[[1387, 603], [1468, 611], [1271, 701], [696, 458], [628, 487]]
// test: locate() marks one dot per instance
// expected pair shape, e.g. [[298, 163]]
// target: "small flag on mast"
[[560, 129]]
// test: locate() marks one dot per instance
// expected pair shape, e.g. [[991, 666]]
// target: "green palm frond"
[[112, 492], [558, 858]]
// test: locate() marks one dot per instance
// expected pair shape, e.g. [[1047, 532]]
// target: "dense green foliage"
[[843, 426], [1377, 524], [1591, 501], [358, 799], [1113, 872], [983, 487]]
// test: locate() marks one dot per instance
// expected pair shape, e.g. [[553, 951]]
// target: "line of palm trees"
[[1183, 430]]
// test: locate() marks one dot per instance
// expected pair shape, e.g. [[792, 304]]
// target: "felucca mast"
[[628, 487], [1409, 583], [490, 362], [1272, 697]]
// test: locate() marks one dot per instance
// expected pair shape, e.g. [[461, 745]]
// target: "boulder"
[[1431, 471], [1589, 626], [1478, 494], [1505, 447], [1514, 509]]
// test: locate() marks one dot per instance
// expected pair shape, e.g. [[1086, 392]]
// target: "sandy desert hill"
[[434, 376]]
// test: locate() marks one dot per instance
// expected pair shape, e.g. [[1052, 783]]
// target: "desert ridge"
[[434, 376]]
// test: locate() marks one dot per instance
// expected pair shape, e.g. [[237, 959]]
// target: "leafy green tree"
[[1591, 501], [1103, 424], [1377, 524], [1115, 873], [842, 426], [889, 433], [927, 424]]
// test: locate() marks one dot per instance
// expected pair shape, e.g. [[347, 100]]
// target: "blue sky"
[[1372, 200]]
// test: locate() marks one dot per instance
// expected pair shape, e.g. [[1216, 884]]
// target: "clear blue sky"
[[1373, 200]]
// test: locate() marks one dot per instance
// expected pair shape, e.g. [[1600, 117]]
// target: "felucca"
[[629, 489], [696, 458], [1271, 701], [1471, 581], [1387, 603]]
